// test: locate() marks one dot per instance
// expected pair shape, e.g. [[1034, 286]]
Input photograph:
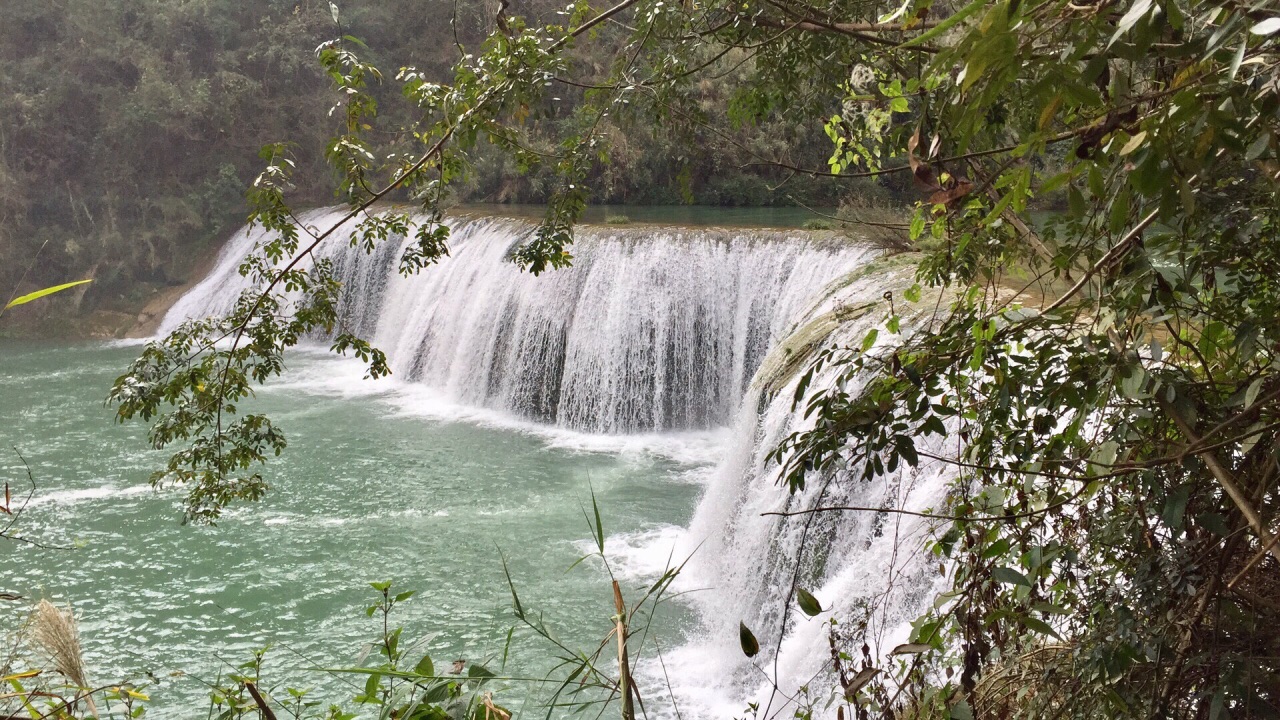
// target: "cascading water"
[[657, 329], [866, 568], [650, 330]]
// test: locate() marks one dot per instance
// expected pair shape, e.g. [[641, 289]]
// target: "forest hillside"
[[132, 128]]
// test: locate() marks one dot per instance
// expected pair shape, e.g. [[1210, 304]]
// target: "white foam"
[[125, 342], [104, 492], [314, 371], [644, 555], [692, 448]]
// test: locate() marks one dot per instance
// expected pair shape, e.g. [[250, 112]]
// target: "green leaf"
[[1151, 176], [515, 597], [1188, 197], [910, 649], [438, 693], [1136, 12], [1119, 212], [801, 386], [1217, 706], [425, 667], [1214, 523], [933, 426], [1075, 202], [906, 447], [23, 300], [1238, 58], [1097, 186], [1132, 380], [1055, 182], [750, 646], [1258, 147], [947, 24], [917, 226], [595, 508], [1009, 576], [869, 340], [1038, 625], [960, 711], [808, 603], [1175, 507], [1252, 393], [996, 548], [1105, 454]]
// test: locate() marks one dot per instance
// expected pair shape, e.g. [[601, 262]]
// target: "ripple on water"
[[373, 487]]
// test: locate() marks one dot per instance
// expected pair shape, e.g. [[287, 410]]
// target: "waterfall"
[[868, 569], [651, 329], [656, 329]]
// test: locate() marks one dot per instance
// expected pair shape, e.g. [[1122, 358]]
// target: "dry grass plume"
[[53, 632]]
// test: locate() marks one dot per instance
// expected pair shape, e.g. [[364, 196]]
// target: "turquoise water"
[[381, 481]]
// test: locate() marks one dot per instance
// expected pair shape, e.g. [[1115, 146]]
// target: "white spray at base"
[[656, 330]]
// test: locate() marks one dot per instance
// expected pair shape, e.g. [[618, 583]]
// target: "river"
[[381, 481]]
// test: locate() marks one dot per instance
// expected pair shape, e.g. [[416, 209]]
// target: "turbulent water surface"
[[658, 372], [370, 489]]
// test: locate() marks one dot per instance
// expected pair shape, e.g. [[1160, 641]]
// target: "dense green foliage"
[[1118, 473], [1110, 532], [132, 128], [128, 132]]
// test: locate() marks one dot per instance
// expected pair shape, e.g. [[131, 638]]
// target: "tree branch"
[[1226, 480], [932, 516], [1118, 250], [851, 27], [812, 25]]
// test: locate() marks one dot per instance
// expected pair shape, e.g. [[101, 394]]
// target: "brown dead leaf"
[[859, 680], [921, 171], [961, 188]]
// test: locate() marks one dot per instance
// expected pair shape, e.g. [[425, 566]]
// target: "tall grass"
[[54, 633]]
